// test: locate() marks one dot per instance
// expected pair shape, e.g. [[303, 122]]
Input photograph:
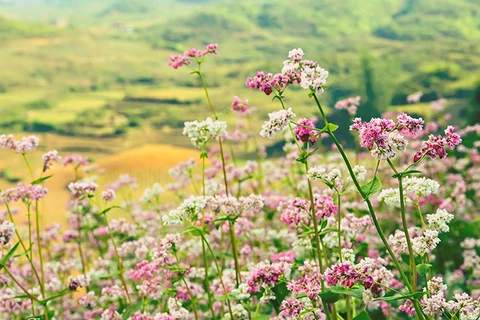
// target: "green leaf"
[[362, 316], [104, 211], [195, 231], [329, 297], [40, 180], [9, 254], [356, 292], [371, 187], [414, 295], [55, 296], [327, 230], [405, 173], [329, 128], [422, 269]]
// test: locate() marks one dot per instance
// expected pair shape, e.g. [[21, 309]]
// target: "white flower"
[[392, 197], [313, 78], [318, 172], [187, 211], [277, 122], [439, 220], [155, 191], [425, 243], [421, 186], [202, 132], [360, 172]]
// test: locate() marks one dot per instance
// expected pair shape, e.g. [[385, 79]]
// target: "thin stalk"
[[192, 297], [39, 245], [20, 285], [220, 273], [370, 209], [28, 165], [339, 226], [29, 257], [204, 85], [119, 261], [233, 238], [405, 228], [80, 251]]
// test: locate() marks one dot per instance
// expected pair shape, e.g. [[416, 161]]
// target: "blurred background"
[[91, 77]]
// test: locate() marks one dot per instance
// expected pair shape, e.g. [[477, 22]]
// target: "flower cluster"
[[383, 136], [349, 104], [277, 122], [24, 145], [436, 146], [305, 131], [239, 104], [202, 132], [180, 60], [267, 82]]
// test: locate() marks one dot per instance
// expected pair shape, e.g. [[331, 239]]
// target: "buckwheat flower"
[[82, 188], [30, 193], [80, 281], [349, 104], [291, 308], [263, 276], [313, 78], [108, 195], [426, 243], [48, 158], [344, 272], [408, 308], [420, 186], [111, 314], [295, 211], [435, 303], [277, 122], [151, 193], [375, 136], [211, 48], [239, 105], [414, 97], [268, 82], [305, 132], [7, 229], [397, 141], [392, 197], [189, 210], [202, 132], [409, 125], [7, 142], [296, 54], [76, 159], [88, 300], [359, 172], [439, 220], [238, 313], [435, 145], [29, 143], [325, 207], [178, 60]]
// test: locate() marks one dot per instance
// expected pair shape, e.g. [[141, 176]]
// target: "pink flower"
[[349, 104], [291, 308], [267, 82], [108, 195], [239, 104], [177, 61], [435, 145], [304, 131], [48, 158], [345, 273]]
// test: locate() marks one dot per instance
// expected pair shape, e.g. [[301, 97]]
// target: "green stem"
[[405, 228], [39, 245], [119, 261], [19, 285], [233, 239], [220, 273], [29, 257], [192, 297], [28, 166], [370, 209]]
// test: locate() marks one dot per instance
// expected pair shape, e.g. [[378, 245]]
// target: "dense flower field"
[[391, 232]]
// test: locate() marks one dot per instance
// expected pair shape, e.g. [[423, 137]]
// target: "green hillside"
[[113, 50]]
